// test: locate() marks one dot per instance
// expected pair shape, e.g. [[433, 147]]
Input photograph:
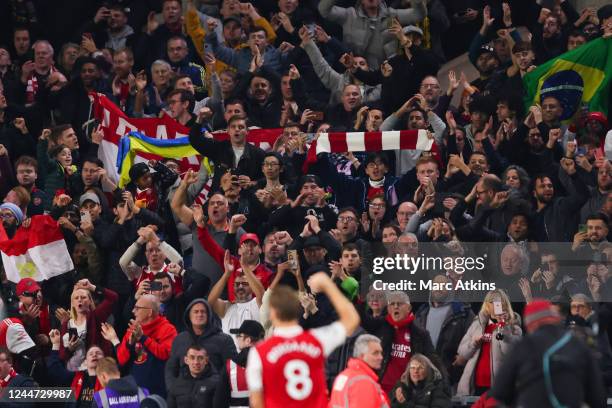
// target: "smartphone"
[[544, 267], [155, 286], [582, 228], [292, 257], [72, 333], [581, 151], [318, 116], [497, 308], [311, 29], [85, 216], [208, 48]]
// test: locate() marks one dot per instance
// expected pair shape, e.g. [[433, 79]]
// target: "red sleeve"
[[161, 346], [105, 308], [211, 246], [123, 351]]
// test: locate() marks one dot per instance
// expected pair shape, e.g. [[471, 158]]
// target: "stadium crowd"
[[179, 276]]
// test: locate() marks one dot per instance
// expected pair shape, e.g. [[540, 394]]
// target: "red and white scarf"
[[32, 86], [6, 380]]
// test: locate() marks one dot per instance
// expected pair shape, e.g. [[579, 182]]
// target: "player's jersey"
[[293, 371]]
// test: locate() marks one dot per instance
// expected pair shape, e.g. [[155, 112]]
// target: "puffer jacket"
[[369, 36], [471, 353], [432, 392]]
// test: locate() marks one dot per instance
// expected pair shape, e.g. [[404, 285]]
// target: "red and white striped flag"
[[340, 142], [38, 252]]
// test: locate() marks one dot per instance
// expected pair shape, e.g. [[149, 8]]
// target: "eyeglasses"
[[6, 215], [30, 294], [371, 205], [140, 307], [245, 284], [346, 219], [417, 368]]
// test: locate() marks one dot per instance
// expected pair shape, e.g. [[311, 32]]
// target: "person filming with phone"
[[486, 343]]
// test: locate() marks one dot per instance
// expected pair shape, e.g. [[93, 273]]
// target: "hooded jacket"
[[189, 391], [148, 355], [219, 345]]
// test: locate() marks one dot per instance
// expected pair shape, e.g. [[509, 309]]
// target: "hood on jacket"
[[213, 323]]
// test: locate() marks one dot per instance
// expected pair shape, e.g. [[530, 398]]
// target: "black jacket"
[[219, 345], [453, 329], [419, 338], [433, 392], [188, 391], [573, 372], [222, 154]]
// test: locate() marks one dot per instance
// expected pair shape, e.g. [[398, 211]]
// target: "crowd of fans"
[[170, 292]]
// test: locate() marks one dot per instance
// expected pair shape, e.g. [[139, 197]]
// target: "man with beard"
[[486, 62], [468, 175], [599, 192], [310, 201], [446, 320], [401, 338], [249, 251], [550, 209], [589, 245], [234, 153], [232, 390], [123, 83], [248, 290], [548, 39], [437, 101], [534, 146]]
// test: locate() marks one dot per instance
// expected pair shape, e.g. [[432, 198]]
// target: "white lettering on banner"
[[161, 132], [125, 399], [124, 127]]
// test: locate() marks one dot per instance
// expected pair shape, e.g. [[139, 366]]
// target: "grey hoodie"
[[218, 345]]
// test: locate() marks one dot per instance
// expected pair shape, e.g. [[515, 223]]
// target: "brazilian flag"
[[578, 77]]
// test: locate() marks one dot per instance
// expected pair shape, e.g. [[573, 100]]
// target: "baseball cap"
[[251, 328], [27, 285], [89, 197], [235, 19], [138, 170], [312, 241], [249, 236]]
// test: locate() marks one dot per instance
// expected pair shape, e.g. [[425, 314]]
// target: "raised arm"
[[179, 200], [219, 305], [347, 315]]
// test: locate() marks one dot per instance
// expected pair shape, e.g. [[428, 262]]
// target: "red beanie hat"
[[538, 313]]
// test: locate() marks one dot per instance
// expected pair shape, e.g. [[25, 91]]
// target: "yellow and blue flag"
[[135, 142], [580, 77]]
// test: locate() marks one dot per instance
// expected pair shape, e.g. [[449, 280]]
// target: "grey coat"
[[471, 352], [369, 36]]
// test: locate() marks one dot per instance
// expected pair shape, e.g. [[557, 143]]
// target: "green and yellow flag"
[[578, 77]]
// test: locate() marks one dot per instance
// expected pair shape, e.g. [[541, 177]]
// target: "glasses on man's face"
[[140, 307], [346, 219], [377, 206], [238, 284], [6, 215], [30, 294]]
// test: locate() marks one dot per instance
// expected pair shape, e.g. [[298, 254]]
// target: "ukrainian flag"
[[578, 77], [135, 142]]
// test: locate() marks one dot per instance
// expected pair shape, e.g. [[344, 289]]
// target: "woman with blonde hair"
[[421, 385], [486, 343], [81, 327]]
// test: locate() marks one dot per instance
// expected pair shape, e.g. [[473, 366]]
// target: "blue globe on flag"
[[567, 86]]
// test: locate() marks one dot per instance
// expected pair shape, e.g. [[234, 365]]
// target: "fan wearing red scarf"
[[401, 339]]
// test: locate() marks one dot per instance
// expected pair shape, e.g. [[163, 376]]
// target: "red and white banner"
[[340, 142], [116, 124], [38, 251]]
